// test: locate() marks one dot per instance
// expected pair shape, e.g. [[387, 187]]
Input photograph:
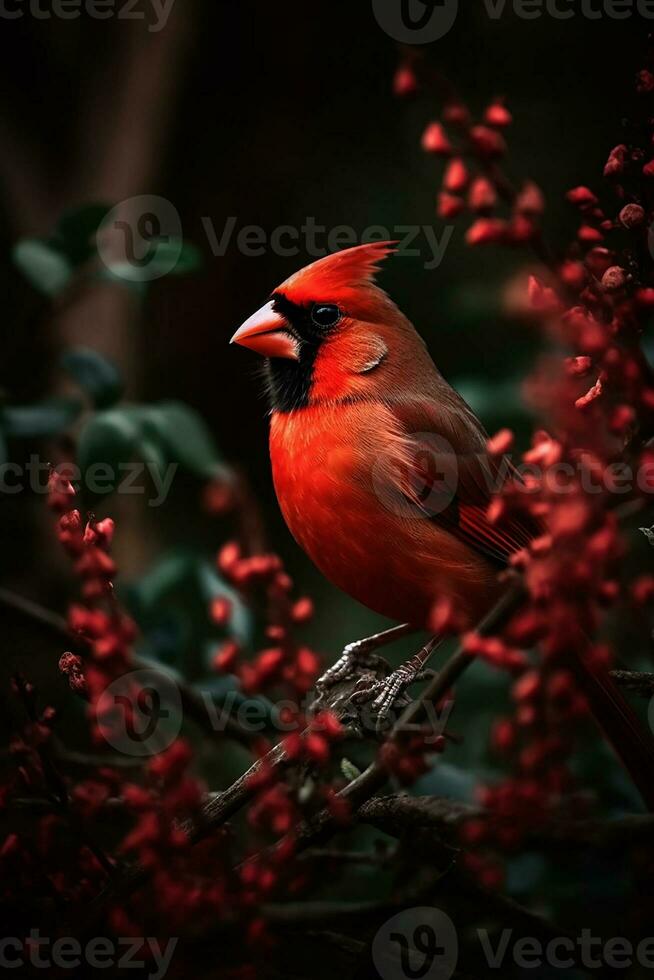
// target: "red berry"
[[435, 140], [498, 115], [456, 176]]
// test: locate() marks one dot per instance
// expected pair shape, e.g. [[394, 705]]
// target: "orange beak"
[[268, 333]]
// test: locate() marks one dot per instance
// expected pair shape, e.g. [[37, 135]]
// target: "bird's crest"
[[351, 269]]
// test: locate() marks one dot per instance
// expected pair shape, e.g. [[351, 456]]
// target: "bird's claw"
[[385, 694], [363, 691], [352, 661], [385, 701]]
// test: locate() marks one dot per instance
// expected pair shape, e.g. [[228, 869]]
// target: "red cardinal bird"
[[381, 469]]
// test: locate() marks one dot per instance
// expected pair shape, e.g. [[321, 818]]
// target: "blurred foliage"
[[52, 264], [51, 417], [170, 602], [170, 256], [95, 375], [169, 434]]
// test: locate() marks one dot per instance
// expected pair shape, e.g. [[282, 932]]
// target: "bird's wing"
[[452, 479]]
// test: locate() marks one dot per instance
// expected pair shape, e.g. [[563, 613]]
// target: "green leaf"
[[97, 376], [48, 418], [154, 455], [76, 232], [161, 435], [170, 604], [43, 265], [185, 436], [349, 770], [167, 576], [172, 256], [166, 257], [190, 260], [110, 439]]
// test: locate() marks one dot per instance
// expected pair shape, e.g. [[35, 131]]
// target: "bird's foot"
[[346, 694], [355, 659], [384, 696], [362, 690]]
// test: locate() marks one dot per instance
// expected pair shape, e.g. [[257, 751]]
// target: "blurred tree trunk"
[[124, 122]]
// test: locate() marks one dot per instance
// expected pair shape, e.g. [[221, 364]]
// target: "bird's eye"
[[325, 315]]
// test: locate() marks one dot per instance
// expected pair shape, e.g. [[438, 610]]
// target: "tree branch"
[[397, 815], [192, 703], [635, 681]]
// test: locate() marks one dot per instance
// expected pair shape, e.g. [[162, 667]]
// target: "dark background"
[[279, 112]]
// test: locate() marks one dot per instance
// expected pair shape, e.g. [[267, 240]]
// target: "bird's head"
[[329, 330]]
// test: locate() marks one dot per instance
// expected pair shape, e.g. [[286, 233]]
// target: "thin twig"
[[193, 705], [221, 808], [321, 827], [56, 784], [340, 856]]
